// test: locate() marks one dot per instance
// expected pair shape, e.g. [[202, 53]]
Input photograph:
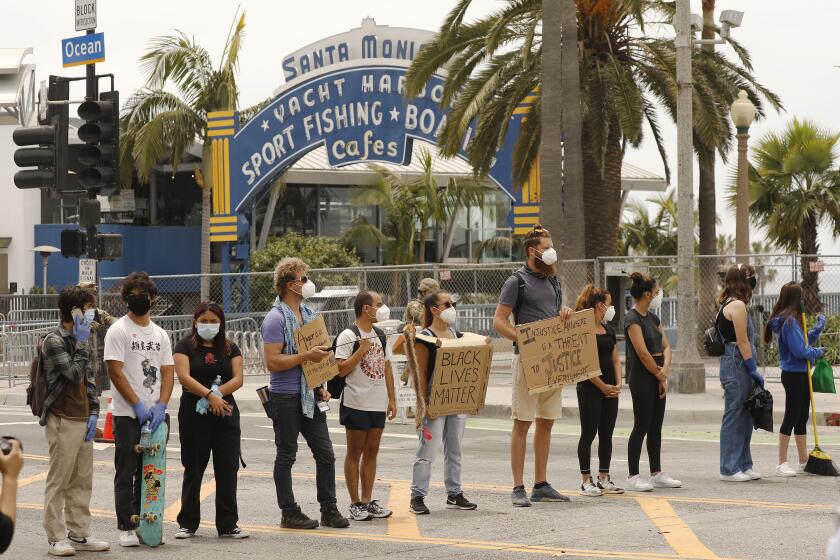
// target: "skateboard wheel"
[[157, 447], [135, 519], [137, 448], [152, 517]]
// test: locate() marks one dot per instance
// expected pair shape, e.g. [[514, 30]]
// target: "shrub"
[[317, 252]]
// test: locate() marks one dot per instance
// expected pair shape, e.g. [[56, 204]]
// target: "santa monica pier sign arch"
[[345, 93]]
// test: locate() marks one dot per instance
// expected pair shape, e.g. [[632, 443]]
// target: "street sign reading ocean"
[[85, 49]]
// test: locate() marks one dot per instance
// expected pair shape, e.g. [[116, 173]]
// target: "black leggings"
[[597, 416], [648, 415], [797, 400]]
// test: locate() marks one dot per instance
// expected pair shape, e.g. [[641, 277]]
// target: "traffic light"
[[101, 133], [103, 246], [44, 147], [73, 243]]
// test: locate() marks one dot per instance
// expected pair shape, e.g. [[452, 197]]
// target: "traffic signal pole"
[[91, 94]]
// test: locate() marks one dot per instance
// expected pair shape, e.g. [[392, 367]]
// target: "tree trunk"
[[603, 187], [810, 280], [561, 174], [421, 252]]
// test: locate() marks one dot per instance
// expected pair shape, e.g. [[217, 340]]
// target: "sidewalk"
[[704, 408]]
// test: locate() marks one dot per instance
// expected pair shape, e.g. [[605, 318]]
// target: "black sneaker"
[[331, 517], [418, 507], [296, 519], [459, 502], [235, 533]]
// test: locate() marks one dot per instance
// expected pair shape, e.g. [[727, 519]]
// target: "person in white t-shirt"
[[142, 372], [368, 395]]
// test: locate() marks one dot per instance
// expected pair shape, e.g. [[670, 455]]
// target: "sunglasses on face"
[[447, 304], [302, 279]]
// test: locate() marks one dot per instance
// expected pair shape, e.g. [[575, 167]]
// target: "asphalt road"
[[768, 519]]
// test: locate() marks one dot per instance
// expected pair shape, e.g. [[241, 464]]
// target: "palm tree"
[[624, 74], [651, 234], [168, 115], [795, 188]]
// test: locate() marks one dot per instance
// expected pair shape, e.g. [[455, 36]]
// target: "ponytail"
[[591, 296]]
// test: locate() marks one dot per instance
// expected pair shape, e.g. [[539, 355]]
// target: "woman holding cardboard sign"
[[439, 318], [648, 365]]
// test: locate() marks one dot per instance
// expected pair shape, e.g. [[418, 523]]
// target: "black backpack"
[[713, 342], [335, 386]]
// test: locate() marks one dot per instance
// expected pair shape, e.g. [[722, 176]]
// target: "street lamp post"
[[743, 113], [45, 251]]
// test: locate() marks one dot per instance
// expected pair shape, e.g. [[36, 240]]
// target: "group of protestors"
[[141, 366]]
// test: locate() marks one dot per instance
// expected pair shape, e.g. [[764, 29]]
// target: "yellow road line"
[[402, 523], [678, 535], [171, 512], [34, 478]]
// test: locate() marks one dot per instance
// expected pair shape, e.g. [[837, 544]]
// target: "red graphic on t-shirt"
[[210, 359]]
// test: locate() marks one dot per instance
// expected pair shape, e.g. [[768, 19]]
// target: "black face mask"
[[753, 282], [139, 304]]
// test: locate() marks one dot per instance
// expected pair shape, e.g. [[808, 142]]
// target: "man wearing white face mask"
[[366, 397], [531, 294]]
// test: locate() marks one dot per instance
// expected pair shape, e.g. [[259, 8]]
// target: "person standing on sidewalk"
[[786, 323], [295, 409], [738, 372], [367, 397], [139, 358], [71, 411], [598, 397], [202, 358], [440, 317], [531, 294], [414, 314], [648, 366]]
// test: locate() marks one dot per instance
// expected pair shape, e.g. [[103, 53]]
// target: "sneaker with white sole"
[[89, 544], [737, 477], [753, 474], [638, 484], [184, 533], [61, 548], [662, 480], [608, 486], [588, 488], [235, 533], [802, 466], [359, 512], [377, 511], [785, 470], [129, 539]]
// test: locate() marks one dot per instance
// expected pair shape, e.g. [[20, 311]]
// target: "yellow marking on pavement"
[[671, 526], [34, 478], [109, 464], [402, 522], [171, 512]]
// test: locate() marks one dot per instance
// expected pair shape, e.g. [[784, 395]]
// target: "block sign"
[[462, 368], [553, 352], [308, 337], [85, 15], [85, 49]]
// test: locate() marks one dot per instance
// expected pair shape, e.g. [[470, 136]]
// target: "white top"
[[143, 351], [365, 387]]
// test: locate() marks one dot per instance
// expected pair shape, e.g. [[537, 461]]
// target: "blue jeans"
[[448, 430], [736, 428]]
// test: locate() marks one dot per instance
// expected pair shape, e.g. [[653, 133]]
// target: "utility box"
[[617, 275]]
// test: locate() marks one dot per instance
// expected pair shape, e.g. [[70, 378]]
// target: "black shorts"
[[353, 419]]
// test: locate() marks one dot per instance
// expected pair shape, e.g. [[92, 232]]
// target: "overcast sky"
[[793, 46]]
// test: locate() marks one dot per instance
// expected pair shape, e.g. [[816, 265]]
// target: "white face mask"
[[449, 315], [383, 313], [207, 331], [308, 290], [609, 314], [549, 256], [656, 302], [90, 315]]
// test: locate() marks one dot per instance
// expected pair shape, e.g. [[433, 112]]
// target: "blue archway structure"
[[356, 109]]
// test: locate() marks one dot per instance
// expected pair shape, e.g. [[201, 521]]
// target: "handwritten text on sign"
[[462, 367], [308, 337], [554, 352]]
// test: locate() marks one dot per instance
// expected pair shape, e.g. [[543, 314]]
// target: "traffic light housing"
[[104, 246], [43, 154], [100, 157], [73, 243]]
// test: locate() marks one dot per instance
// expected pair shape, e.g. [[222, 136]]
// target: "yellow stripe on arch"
[[225, 123], [226, 172], [219, 114], [214, 132]]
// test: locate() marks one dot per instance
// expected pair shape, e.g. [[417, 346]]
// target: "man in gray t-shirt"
[[538, 298]]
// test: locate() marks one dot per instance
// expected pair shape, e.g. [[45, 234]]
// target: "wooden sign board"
[[308, 337], [462, 371], [553, 352]]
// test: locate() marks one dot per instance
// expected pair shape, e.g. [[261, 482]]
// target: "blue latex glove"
[[819, 324], [142, 412], [91, 427], [81, 328], [202, 406], [753, 371], [158, 415], [820, 352]]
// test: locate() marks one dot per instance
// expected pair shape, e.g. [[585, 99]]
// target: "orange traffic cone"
[[108, 433]]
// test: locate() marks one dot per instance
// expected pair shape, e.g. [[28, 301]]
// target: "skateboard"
[[152, 446]]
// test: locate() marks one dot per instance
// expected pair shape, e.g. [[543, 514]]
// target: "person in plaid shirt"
[[71, 411]]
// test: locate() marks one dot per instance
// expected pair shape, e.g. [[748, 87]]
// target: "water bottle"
[[216, 383], [145, 435]]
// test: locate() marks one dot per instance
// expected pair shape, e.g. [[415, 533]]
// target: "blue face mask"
[[90, 314], [207, 331]]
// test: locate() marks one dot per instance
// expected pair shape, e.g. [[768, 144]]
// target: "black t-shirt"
[[650, 332], [205, 365], [606, 345], [7, 531]]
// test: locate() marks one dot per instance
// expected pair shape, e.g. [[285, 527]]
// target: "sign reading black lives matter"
[[462, 368], [308, 337], [554, 352]]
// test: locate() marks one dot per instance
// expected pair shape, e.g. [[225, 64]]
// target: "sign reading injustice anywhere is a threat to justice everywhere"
[[85, 49], [308, 337], [462, 368], [553, 352]]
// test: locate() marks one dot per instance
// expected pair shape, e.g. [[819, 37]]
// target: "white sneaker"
[[662, 480], [129, 538], [61, 548], [638, 484], [588, 488], [737, 477], [184, 533], [802, 466], [89, 544], [785, 470], [754, 475]]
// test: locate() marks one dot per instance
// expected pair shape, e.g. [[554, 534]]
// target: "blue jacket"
[[792, 348]]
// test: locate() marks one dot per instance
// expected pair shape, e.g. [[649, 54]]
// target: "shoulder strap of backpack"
[[382, 338], [558, 293], [355, 330], [520, 294]]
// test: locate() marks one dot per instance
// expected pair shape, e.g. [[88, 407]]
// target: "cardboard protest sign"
[[462, 369], [553, 352], [308, 337]]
